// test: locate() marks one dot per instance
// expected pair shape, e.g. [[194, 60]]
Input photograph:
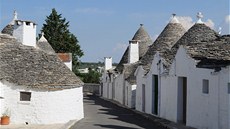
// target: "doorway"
[[182, 100], [143, 97], [155, 94]]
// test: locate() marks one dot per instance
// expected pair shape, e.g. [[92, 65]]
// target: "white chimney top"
[[133, 51], [108, 63]]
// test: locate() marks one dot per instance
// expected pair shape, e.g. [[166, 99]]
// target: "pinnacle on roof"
[[174, 19], [42, 39], [199, 17], [14, 18]]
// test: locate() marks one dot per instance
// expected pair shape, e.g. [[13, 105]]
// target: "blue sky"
[[104, 27]]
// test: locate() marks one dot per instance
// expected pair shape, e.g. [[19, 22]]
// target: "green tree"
[[60, 38]]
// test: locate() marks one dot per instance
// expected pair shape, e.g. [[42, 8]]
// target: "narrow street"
[[101, 114]]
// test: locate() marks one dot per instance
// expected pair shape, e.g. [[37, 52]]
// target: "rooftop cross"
[[199, 17]]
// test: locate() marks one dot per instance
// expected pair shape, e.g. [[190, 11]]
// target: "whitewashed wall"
[[110, 87], [45, 107], [203, 110], [105, 85], [130, 91], [119, 83], [140, 81]]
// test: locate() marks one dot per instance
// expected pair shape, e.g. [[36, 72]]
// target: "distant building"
[[85, 70]]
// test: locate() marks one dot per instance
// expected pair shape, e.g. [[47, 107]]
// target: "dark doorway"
[[143, 97], [155, 94], [182, 100]]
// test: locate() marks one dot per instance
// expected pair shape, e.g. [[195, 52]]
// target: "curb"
[[69, 124]]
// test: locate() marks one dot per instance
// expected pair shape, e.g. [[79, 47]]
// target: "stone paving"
[[102, 114]]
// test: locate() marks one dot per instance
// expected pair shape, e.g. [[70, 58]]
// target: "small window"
[[25, 96], [228, 88], [205, 86]]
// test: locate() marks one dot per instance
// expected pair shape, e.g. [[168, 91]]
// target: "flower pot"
[[5, 120]]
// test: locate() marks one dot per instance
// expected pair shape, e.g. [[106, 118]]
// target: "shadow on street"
[[102, 114]]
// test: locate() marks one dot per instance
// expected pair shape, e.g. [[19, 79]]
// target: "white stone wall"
[[45, 107], [140, 81], [105, 85], [25, 33], [130, 95], [203, 110], [119, 83]]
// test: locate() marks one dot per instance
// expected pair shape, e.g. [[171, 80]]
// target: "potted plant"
[[5, 118]]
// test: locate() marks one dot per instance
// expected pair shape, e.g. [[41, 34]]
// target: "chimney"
[[133, 51], [108, 63], [24, 31]]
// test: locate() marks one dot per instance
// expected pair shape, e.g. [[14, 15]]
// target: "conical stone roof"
[[144, 42], [198, 33], [168, 37], [27, 66], [8, 29], [44, 45]]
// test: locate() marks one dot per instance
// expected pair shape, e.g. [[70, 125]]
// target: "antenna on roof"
[[199, 16]]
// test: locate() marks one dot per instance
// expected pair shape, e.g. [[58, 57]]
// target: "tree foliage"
[[60, 38], [91, 77]]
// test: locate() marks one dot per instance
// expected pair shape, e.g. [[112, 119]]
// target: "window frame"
[[25, 96], [205, 86]]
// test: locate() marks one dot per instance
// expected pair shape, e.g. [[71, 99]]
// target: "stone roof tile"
[[34, 68]]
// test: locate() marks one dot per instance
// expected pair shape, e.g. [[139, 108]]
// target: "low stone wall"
[[91, 88]]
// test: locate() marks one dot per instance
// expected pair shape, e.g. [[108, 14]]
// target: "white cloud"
[[186, 21], [93, 11], [210, 23], [120, 47], [227, 19]]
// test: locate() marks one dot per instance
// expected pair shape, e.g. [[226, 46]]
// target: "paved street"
[[101, 114]]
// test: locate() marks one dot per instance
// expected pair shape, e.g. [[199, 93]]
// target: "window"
[[205, 86], [228, 88], [25, 96]]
